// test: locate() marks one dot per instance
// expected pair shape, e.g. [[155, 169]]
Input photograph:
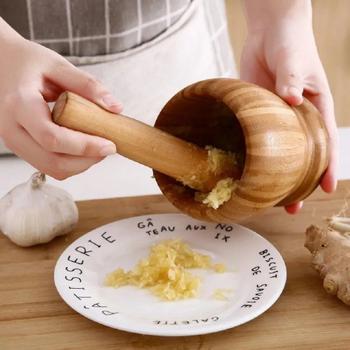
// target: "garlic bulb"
[[35, 212]]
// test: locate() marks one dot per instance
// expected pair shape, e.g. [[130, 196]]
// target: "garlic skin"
[[35, 212]]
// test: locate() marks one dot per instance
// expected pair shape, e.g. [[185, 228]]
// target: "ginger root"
[[330, 248]]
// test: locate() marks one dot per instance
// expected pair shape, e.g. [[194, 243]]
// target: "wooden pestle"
[[172, 156]]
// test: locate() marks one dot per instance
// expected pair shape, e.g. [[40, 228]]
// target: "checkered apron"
[[144, 51]]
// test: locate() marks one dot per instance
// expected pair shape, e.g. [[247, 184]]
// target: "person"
[[279, 54]]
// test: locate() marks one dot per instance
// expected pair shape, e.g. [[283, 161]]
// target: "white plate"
[[256, 275]]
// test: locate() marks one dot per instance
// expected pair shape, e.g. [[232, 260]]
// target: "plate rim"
[[176, 332]]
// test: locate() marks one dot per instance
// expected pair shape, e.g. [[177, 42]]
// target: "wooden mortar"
[[283, 149]]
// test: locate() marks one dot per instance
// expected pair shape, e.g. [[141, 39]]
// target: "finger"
[[324, 103], [75, 80], [289, 80], [50, 91], [294, 208], [59, 139], [55, 165], [329, 179]]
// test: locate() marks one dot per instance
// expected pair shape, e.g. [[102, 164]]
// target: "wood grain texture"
[[286, 148], [142, 143], [332, 31], [34, 317]]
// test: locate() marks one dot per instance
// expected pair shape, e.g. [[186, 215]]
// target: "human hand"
[[32, 76], [280, 54]]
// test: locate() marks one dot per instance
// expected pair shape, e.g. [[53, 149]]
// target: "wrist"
[[273, 14]]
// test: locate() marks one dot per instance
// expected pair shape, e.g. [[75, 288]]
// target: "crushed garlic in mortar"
[[219, 159], [222, 192]]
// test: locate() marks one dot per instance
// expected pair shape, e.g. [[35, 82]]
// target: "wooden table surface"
[[33, 316]]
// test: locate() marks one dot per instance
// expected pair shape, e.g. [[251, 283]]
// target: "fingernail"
[[334, 181], [334, 184], [110, 101], [108, 150]]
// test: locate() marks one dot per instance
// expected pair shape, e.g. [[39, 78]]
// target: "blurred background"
[[106, 179], [332, 31]]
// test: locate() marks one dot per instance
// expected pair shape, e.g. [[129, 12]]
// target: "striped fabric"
[[91, 27], [99, 27]]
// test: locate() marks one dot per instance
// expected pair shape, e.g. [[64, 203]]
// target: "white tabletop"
[[116, 176]]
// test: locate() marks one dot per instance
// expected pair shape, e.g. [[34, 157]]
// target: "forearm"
[[261, 14]]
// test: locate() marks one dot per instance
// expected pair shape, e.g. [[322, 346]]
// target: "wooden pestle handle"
[[140, 142]]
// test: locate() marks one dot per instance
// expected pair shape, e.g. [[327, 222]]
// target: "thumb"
[[73, 79], [289, 81]]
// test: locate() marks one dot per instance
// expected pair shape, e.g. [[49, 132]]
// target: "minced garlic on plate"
[[165, 272], [221, 294]]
